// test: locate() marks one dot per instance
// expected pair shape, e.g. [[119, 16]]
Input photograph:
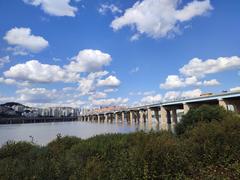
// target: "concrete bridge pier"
[[116, 117], [105, 118], [131, 117], [141, 118], [174, 116], [149, 117], [98, 118], [95, 118], [111, 117], [156, 113], [164, 118], [186, 108], [123, 116]]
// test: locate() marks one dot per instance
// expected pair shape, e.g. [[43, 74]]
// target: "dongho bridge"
[[165, 113]]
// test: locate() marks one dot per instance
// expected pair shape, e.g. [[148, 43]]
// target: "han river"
[[43, 133]]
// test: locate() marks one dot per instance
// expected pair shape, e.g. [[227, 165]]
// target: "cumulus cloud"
[[111, 101], [4, 99], [23, 38], [109, 90], [37, 95], [212, 82], [98, 95], [174, 81], [198, 67], [89, 60], [151, 99], [4, 60], [7, 81], [34, 71], [17, 51], [87, 85], [159, 18], [10, 81], [191, 93], [95, 84], [110, 81], [55, 7], [139, 93], [174, 95], [104, 8]]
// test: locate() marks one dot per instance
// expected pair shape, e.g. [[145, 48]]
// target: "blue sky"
[[105, 52]]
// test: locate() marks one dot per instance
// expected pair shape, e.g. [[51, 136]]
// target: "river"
[[43, 133]]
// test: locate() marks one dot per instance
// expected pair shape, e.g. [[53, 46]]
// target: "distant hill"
[[10, 104]]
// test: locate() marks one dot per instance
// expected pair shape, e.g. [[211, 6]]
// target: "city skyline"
[[105, 53]]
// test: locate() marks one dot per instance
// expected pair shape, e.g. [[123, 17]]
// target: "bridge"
[[165, 113]]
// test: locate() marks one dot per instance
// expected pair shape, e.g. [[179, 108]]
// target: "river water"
[[43, 133]]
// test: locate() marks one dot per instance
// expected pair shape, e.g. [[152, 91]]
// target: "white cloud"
[[34, 71], [110, 90], [89, 60], [139, 93], [65, 89], [159, 18], [112, 101], [197, 69], [98, 95], [22, 38], [192, 9], [56, 59], [151, 99], [106, 7], [17, 51], [174, 95], [10, 81], [110, 81], [200, 68], [191, 94], [135, 70], [55, 7], [135, 37], [7, 81], [87, 85], [4, 99], [174, 81], [212, 82], [235, 89], [4, 60], [37, 95], [171, 95]]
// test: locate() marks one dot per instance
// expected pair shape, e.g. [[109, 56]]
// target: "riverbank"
[[206, 146], [23, 120]]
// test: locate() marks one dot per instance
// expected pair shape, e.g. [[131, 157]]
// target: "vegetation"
[[206, 146]]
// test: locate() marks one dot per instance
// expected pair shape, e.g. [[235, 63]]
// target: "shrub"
[[205, 113]]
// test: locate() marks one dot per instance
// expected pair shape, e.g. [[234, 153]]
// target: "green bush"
[[205, 113]]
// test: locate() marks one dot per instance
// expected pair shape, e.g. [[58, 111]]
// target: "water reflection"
[[43, 133]]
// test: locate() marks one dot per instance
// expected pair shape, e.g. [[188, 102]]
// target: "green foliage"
[[205, 113], [209, 149]]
